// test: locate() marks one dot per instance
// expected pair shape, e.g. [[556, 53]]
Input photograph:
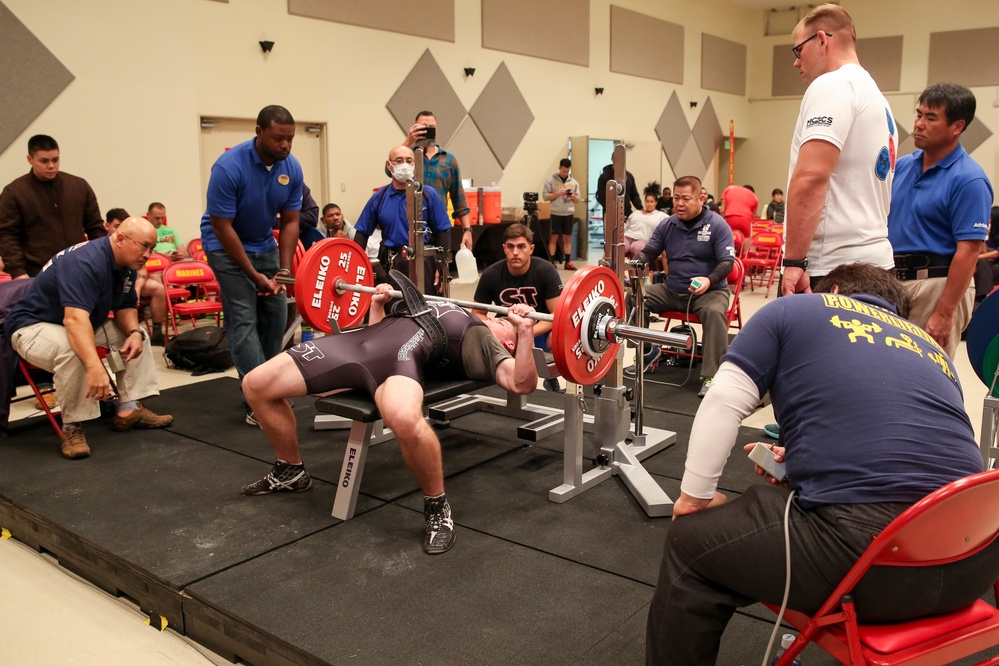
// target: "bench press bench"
[[367, 429]]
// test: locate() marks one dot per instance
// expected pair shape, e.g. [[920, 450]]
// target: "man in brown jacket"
[[45, 211]]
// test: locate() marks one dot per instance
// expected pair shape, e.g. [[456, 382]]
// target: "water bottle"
[[785, 643], [468, 271], [306, 333]]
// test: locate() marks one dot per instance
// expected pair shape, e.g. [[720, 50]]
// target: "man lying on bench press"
[[388, 359]]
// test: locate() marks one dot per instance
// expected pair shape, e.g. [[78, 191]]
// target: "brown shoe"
[[141, 418], [74, 443], [50, 400]]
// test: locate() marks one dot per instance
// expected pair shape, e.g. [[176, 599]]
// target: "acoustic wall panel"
[[673, 129], [502, 115], [707, 132], [882, 58], [426, 88], [556, 30], [785, 79], [433, 19], [475, 159], [723, 65], [645, 46], [967, 57], [30, 77]]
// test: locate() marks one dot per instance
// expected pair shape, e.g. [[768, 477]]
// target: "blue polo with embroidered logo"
[[243, 189], [931, 211]]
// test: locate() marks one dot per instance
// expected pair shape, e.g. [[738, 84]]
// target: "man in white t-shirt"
[[842, 157]]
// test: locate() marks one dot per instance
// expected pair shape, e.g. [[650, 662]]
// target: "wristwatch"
[[795, 263]]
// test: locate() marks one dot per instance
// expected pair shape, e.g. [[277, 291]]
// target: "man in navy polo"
[[250, 184], [64, 316], [940, 211], [700, 251]]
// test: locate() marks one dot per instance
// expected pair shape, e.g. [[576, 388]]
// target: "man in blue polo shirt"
[[387, 209], [55, 327], [700, 252], [940, 211], [250, 184]]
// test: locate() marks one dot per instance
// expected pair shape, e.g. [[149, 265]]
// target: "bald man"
[[387, 209], [64, 316]]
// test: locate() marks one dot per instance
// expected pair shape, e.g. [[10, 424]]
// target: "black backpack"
[[200, 350]]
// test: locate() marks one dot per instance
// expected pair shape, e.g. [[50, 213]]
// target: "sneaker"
[[551, 384], [251, 419], [50, 400], [283, 477], [440, 527], [157, 339], [569, 266], [651, 362], [74, 443], [772, 430], [141, 418], [704, 387]]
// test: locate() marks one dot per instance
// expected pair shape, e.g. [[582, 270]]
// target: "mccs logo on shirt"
[[819, 121]]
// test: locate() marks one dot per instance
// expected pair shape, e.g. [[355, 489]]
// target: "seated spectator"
[[167, 240], [987, 270], [665, 202], [151, 292], [775, 209], [55, 327], [640, 225], [334, 225]]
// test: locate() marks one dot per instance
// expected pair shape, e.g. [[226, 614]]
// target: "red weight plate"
[[586, 285], [327, 261]]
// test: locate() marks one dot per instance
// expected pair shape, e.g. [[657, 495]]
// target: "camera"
[[429, 137], [530, 202]]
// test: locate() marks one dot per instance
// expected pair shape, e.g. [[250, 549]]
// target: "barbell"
[[335, 282]]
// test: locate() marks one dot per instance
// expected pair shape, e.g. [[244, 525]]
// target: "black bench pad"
[[359, 406]]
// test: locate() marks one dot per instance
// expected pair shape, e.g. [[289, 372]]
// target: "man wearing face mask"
[[387, 209]]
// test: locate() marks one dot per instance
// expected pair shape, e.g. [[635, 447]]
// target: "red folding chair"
[[950, 524], [762, 259], [733, 315], [196, 274]]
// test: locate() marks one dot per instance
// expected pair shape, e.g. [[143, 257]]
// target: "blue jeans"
[[254, 324]]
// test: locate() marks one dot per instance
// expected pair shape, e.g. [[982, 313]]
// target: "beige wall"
[[129, 121], [763, 159]]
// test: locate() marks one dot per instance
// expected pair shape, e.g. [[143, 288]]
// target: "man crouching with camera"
[[63, 316]]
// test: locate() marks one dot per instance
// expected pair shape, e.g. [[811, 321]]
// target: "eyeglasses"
[[796, 50], [145, 247], [518, 246]]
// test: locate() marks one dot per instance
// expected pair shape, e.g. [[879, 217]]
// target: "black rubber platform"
[[157, 516]]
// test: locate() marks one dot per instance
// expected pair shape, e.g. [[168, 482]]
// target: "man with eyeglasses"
[[700, 252], [518, 279], [842, 157], [62, 318], [386, 209]]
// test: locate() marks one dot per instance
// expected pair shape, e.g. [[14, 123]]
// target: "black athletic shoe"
[[651, 361], [551, 384], [283, 477], [440, 527]]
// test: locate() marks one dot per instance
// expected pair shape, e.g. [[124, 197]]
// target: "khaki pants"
[[925, 294], [47, 346]]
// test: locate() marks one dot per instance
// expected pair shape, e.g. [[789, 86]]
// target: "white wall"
[[146, 71]]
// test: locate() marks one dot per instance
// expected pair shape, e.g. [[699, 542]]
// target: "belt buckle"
[[922, 273]]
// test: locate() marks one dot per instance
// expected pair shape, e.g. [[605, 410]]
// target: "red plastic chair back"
[[950, 524], [157, 263], [194, 246]]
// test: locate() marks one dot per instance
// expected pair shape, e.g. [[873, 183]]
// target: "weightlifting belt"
[[921, 266], [421, 313]]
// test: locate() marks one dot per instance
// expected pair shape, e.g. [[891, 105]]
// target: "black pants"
[[720, 559]]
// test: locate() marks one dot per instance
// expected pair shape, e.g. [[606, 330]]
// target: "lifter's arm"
[[519, 375]]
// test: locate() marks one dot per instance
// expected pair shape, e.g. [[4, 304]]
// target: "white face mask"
[[403, 172]]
